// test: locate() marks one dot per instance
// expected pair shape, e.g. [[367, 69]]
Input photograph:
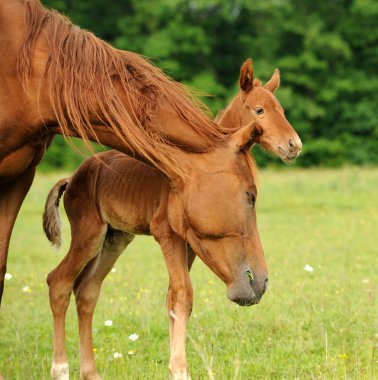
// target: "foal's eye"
[[251, 198], [259, 111]]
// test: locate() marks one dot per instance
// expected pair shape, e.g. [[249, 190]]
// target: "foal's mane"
[[89, 79], [252, 167], [234, 112]]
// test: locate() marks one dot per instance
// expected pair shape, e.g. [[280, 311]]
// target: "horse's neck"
[[116, 128], [12, 28], [230, 117], [180, 133], [184, 139]]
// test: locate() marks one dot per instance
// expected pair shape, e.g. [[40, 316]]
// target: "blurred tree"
[[326, 51]]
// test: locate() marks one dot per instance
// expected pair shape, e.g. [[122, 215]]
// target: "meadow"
[[319, 324]]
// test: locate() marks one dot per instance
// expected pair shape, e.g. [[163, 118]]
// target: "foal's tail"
[[51, 215]]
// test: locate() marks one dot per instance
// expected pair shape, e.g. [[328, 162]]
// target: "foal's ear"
[[245, 137], [246, 76], [274, 82]]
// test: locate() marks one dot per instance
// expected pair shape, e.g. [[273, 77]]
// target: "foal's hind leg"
[[87, 239], [87, 290]]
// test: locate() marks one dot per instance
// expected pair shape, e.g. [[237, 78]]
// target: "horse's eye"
[[259, 110], [251, 198]]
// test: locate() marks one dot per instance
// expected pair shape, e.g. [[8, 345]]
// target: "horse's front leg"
[[179, 301], [87, 290], [12, 194]]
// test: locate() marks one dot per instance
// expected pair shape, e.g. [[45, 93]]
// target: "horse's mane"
[[88, 79]]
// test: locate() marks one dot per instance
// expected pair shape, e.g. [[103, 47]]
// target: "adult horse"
[[110, 200], [57, 78]]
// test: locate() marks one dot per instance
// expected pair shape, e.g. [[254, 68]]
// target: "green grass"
[[319, 325]]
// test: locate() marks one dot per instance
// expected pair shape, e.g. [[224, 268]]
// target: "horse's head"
[[213, 209], [259, 104]]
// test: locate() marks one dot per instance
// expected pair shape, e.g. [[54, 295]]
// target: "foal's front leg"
[[87, 290], [190, 256], [179, 301]]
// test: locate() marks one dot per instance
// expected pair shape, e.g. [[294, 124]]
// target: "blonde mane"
[[89, 79]]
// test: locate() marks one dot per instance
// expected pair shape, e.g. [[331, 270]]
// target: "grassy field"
[[309, 325]]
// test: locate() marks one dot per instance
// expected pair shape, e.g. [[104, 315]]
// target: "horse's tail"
[[51, 215]]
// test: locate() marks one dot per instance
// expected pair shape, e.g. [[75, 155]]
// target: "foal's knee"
[[59, 292], [50, 278], [86, 297], [182, 299]]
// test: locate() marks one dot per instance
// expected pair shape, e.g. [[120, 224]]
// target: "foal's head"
[[259, 103], [213, 209]]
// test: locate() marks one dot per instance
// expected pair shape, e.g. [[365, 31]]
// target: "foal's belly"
[[128, 219]]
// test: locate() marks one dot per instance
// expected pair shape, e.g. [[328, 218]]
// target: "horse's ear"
[[246, 76], [245, 137], [274, 82]]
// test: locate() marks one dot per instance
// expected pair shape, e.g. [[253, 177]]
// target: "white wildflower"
[[134, 337], [8, 276], [117, 355], [308, 268], [108, 323]]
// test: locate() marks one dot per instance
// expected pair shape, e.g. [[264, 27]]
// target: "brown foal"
[[257, 102], [112, 197], [271, 130]]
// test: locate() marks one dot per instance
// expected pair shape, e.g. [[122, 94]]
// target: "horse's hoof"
[[181, 376], [93, 375], [60, 371]]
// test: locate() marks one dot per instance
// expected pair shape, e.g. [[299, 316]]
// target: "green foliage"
[[67, 154], [326, 52]]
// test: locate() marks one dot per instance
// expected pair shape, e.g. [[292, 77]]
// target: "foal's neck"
[[230, 118]]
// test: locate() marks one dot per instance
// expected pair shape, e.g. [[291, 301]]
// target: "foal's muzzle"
[[291, 150], [248, 290]]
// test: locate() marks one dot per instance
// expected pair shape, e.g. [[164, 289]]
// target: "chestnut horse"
[[58, 79], [109, 200]]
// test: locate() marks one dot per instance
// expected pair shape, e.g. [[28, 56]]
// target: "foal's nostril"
[[250, 276], [292, 143], [265, 285]]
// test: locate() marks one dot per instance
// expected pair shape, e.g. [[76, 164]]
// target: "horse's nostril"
[[266, 284], [291, 143]]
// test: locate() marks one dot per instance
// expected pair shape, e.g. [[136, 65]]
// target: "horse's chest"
[[16, 162], [18, 153]]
